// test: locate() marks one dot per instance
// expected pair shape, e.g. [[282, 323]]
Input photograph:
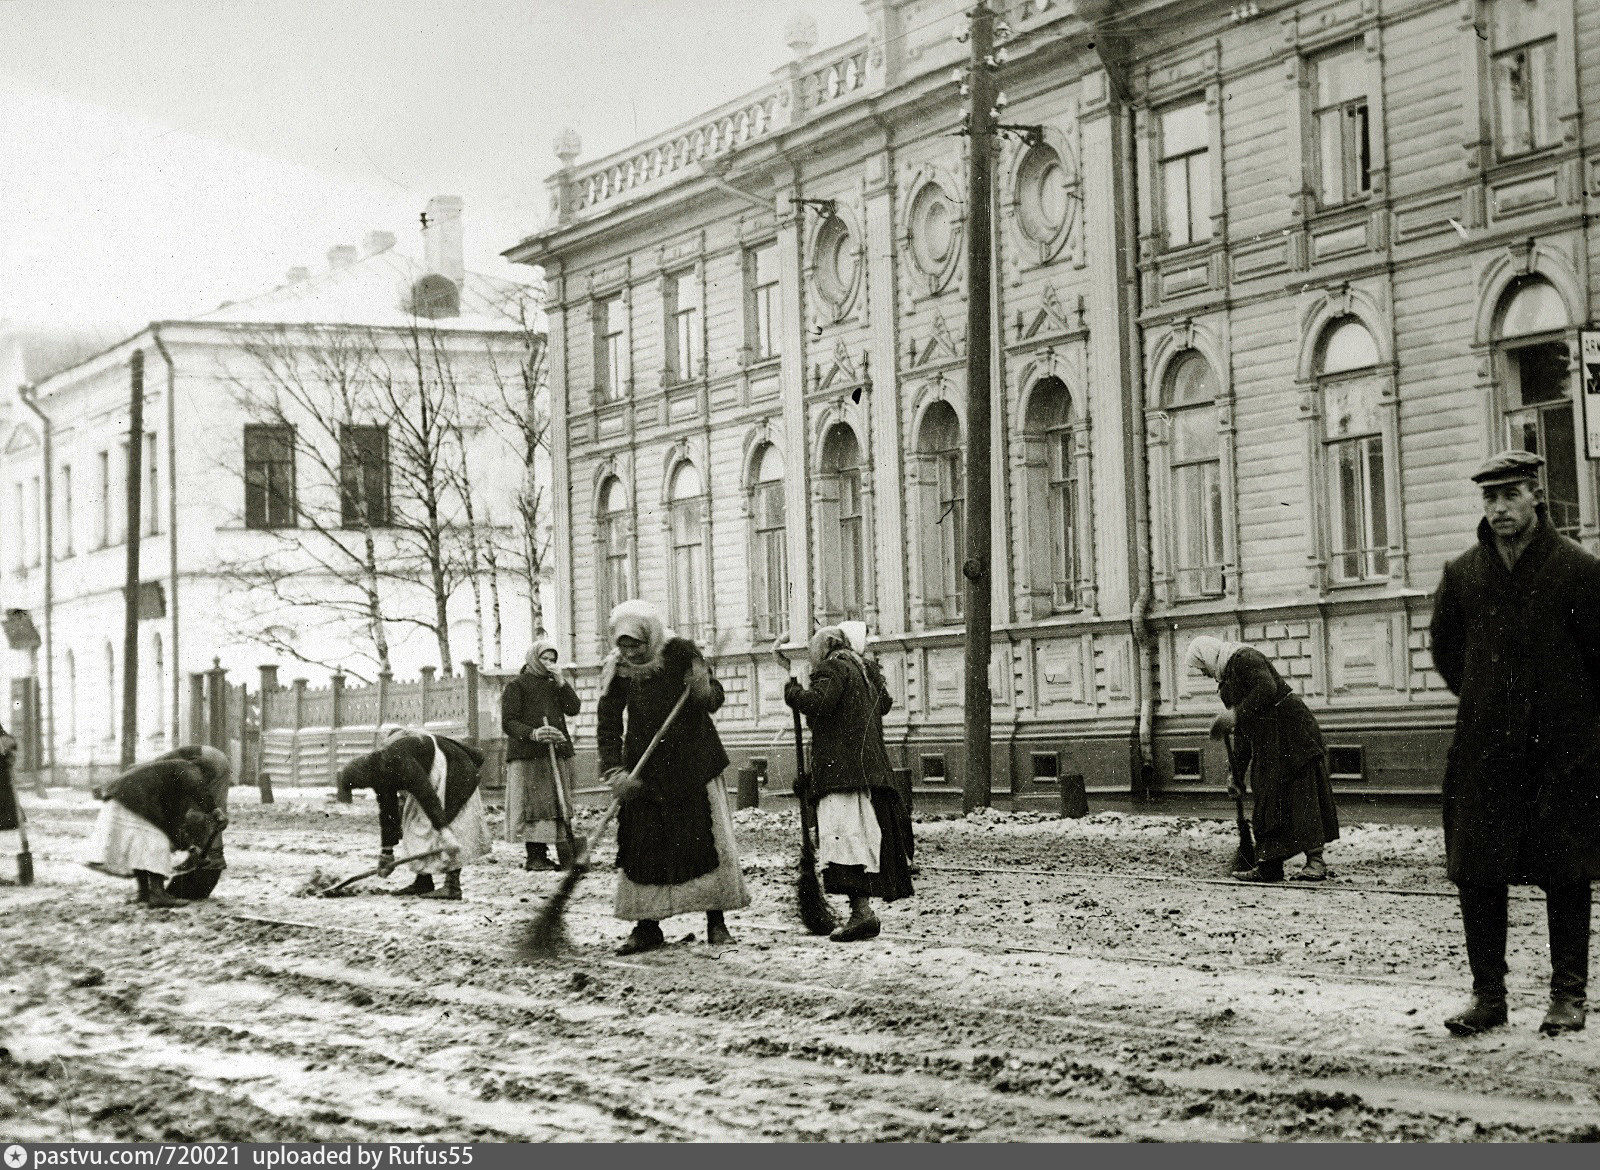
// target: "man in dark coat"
[[427, 792], [533, 714], [863, 826], [1516, 637]]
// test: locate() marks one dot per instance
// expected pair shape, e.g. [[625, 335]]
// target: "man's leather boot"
[[1567, 914], [1481, 1013], [1567, 1014]]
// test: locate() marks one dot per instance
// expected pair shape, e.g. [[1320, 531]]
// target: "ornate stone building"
[[1271, 279]]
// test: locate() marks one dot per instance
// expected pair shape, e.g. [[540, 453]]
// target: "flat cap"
[[1508, 467]]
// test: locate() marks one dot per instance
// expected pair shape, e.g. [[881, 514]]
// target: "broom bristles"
[[814, 912], [547, 933]]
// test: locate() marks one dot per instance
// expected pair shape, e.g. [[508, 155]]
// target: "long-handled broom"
[[814, 912], [545, 933], [568, 848], [1244, 857]]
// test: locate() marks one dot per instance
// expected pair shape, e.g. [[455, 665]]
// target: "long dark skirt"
[[1294, 812], [8, 797], [893, 879]]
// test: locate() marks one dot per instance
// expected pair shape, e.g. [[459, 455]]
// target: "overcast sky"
[[160, 156]]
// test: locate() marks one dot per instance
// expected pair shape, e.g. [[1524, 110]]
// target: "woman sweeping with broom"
[[675, 847], [1278, 738], [863, 827]]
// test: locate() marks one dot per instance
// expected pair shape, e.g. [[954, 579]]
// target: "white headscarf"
[[643, 622], [856, 634], [1210, 655]]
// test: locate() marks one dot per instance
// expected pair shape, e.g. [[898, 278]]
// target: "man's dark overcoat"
[[664, 833], [844, 706], [1520, 648]]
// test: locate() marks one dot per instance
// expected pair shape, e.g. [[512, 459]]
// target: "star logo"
[[16, 1157]]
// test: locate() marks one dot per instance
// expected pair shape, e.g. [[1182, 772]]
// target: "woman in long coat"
[[863, 827], [1277, 737], [150, 813], [533, 714], [675, 845], [428, 798], [199, 880]]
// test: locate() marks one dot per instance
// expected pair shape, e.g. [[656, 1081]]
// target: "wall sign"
[[1589, 341]]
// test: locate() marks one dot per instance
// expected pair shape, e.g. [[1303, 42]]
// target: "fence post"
[[269, 687], [471, 669], [197, 706], [335, 718], [299, 722], [217, 705], [427, 686]]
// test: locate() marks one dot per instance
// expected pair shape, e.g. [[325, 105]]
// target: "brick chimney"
[[441, 238], [377, 242], [342, 256]]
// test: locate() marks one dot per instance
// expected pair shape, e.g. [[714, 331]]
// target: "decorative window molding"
[[1046, 200], [766, 524], [837, 263], [936, 484], [686, 528], [842, 504], [935, 231]]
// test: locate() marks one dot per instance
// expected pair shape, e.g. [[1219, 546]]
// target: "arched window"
[[71, 673], [841, 516], [158, 701], [1054, 541], [1353, 452], [1190, 397], [769, 559], [616, 573], [1532, 361], [113, 707], [686, 534], [944, 513]]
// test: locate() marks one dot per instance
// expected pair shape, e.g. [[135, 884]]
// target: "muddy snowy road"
[[1102, 986]]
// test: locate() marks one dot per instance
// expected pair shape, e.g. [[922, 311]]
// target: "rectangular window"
[[1344, 153], [687, 581], [952, 530], [610, 332], [149, 504], [269, 488], [102, 526], [1063, 522], [1523, 75], [615, 585], [1356, 480], [1197, 502], [761, 302], [771, 565], [852, 562], [64, 513], [364, 476], [1186, 174], [682, 310]]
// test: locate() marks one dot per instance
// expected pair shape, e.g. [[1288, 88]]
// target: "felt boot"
[[421, 884], [538, 858], [717, 930], [1481, 1013], [863, 922], [1265, 871], [646, 936], [451, 891], [154, 893], [1314, 870]]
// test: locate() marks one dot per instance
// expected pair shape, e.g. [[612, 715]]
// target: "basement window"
[[1046, 767], [1347, 763], [1186, 766], [933, 768]]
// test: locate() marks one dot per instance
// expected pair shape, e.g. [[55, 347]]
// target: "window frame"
[[1504, 149], [770, 584], [259, 513], [681, 347], [1165, 163], [609, 348], [762, 304], [1177, 465], [614, 557], [689, 592], [379, 505], [1357, 160]]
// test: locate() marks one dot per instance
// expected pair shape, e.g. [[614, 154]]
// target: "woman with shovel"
[[533, 714], [150, 813], [428, 799], [863, 826], [675, 847], [1277, 737]]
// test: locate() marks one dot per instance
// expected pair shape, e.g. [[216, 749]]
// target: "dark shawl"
[[404, 766], [1277, 737], [664, 832], [844, 706], [526, 702], [163, 792], [1520, 648]]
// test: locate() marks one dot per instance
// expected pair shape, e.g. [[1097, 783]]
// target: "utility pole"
[[981, 121], [130, 588]]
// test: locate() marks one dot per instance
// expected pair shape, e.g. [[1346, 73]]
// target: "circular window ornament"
[[935, 230], [1047, 196], [834, 267]]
